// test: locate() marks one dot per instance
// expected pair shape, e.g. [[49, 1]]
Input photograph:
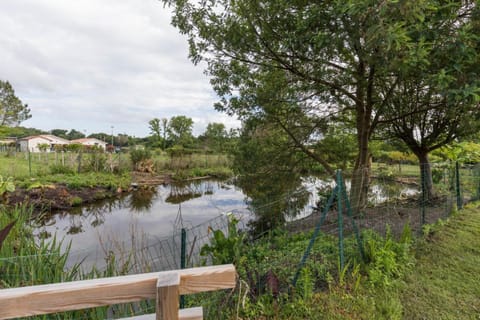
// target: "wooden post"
[[167, 296], [75, 295]]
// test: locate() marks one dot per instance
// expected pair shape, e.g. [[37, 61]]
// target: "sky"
[[92, 65]]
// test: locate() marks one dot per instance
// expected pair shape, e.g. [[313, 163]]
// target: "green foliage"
[[305, 284], [263, 151], [466, 152], [388, 259], [6, 185], [180, 130], [61, 169], [75, 201], [215, 137], [225, 249], [12, 110], [138, 156], [43, 147], [73, 147], [96, 161], [19, 132]]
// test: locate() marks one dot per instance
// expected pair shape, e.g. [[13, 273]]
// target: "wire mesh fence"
[[21, 165], [395, 196], [392, 201]]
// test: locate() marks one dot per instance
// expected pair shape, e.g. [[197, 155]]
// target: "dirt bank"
[[60, 197]]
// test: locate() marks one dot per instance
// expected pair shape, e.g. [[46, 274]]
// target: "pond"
[[152, 218], [143, 216]]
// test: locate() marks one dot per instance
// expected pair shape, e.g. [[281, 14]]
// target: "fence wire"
[[396, 196]]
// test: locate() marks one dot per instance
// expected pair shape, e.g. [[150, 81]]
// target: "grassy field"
[[445, 283], [96, 169], [193, 165]]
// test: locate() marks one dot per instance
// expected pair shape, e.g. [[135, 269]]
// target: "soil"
[[59, 197], [393, 216]]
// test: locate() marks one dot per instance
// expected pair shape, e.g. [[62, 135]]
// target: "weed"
[[75, 201]]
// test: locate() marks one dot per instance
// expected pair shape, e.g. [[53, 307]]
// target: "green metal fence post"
[[183, 253], [423, 186], [315, 235], [457, 183], [355, 227], [340, 219], [29, 163]]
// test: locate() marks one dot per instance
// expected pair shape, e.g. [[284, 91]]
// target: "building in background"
[[91, 142], [36, 143]]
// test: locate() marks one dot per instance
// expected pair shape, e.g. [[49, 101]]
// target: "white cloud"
[[92, 64]]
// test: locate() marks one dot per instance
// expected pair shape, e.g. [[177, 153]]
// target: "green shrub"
[[387, 259], [75, 201], [139, 155], [61, 169]]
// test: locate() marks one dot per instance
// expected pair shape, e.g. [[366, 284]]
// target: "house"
[[35, 143], [8, 144], [91, 142]]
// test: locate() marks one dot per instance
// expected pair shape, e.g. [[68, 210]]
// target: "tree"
[[62, 133], [18, 132], [439, 100], [265, 151], [180, 130], [155, 129], [12, 110], [102, 136], [215, 136], [159, 129], [164, 131], [74, 134], [315, 60]]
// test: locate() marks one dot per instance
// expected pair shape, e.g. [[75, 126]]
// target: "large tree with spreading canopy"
[[303, 64]]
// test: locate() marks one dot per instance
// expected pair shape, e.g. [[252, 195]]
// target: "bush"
[[61, 169], [138, 156]]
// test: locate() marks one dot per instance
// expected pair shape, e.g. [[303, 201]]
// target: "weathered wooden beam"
[[168, 296], [68, 296]]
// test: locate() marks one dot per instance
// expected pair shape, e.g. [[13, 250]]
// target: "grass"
[[437, 277], [26, 261], [445, 281], [49, 168], [405, 170], [194, 165]]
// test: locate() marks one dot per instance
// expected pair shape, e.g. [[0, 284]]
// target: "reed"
[[25, 260]]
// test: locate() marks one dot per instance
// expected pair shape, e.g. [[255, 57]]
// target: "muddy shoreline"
[[59, 196]]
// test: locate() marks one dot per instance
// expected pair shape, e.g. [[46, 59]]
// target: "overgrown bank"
[[434, 276], [48, 181]]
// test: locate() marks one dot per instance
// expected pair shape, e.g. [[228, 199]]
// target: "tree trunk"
[[425, 173], [361, 171]]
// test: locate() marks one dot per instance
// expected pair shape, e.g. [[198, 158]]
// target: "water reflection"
[[158, 212], [142, 199], [155, 213], [274, 199]]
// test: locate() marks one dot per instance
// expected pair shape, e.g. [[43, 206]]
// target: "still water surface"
[[148, 214], [156, 213]]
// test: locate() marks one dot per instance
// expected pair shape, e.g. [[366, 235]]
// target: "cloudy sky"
[[94, 64]]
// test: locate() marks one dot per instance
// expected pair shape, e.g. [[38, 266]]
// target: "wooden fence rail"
[[165, 287]]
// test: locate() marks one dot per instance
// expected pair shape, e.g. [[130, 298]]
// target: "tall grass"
[[26, 261], [194, 165]]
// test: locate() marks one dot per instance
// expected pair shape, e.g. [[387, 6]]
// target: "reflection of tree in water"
[[93, 212], [142, 199], [270, 168], [273, 198], [181, 192]]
